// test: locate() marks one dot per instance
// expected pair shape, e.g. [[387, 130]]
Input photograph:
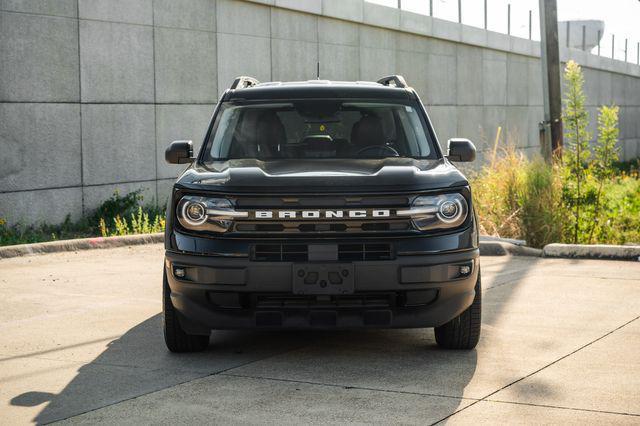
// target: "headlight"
[[206, 214], [437, 211]]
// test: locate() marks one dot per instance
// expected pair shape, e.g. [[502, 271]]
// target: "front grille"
[[300, 252], [389, 225], [325, 221]]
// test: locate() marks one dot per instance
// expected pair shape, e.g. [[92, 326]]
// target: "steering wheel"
[[378, 151]]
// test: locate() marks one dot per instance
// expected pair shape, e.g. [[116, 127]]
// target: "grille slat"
[[281, 252], [300, 252]]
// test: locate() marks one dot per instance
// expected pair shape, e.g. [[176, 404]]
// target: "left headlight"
[[206, 214], [437, 211]]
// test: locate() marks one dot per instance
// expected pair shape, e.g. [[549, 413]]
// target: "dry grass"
[[518, 198]]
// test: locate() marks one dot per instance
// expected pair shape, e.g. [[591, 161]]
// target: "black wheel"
[[463, 332], [174, 336]]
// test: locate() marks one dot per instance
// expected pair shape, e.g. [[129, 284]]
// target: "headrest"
[[368, 131]]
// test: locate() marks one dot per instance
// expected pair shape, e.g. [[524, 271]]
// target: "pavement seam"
[[515, 280], [485, 398], [560, 407], [306, 382], [175, 385]]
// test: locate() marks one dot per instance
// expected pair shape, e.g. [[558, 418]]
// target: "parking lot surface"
[[81, 342]]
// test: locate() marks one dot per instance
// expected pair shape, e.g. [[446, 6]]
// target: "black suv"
[[321, 205]]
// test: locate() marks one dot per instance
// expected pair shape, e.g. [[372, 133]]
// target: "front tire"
[[176, 339], [463, 332]]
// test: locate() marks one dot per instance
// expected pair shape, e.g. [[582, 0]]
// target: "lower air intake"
[[300, 252]]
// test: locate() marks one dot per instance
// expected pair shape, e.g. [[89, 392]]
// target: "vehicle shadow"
[[138, 363]]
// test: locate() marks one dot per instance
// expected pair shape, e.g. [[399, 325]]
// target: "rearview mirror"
[[179, 152], [461, 150]]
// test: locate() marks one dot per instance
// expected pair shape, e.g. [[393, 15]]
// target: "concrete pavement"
[[81, 341]]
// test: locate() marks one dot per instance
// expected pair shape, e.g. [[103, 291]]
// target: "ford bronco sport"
[[321, 205]]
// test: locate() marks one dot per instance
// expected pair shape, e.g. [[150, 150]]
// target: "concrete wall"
[[93, 91]]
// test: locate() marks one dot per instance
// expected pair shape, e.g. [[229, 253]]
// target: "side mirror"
[[179, 152], [461, 150]]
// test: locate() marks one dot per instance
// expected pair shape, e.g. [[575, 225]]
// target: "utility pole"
[[551, 127]]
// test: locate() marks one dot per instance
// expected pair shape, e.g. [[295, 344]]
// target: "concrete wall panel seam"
[[155, 95], [80, 115]]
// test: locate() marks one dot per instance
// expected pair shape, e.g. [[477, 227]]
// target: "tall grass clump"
[[495, 191], [542, 217], [519, 198]]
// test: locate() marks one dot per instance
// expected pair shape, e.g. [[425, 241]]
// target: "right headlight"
[[437, 211], [206, 214]]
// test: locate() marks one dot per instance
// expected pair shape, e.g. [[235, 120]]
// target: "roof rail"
[[397, 80], [242, 82]]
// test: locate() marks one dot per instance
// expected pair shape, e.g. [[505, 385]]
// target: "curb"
[[596, 251], [493, 247], [79, 244], [490, 247], [501, 248], [486, 238]]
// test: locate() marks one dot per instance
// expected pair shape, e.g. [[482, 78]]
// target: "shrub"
[[586, 174], [117, 205], [620, 220], [605, 155], [576, 152], [110, 218], [139, 223]]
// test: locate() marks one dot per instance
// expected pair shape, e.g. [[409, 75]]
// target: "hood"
[[323, 175]]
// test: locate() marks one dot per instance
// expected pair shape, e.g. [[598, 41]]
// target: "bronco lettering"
[[317, 214]]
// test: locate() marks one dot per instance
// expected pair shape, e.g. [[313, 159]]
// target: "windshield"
[[315, 128]]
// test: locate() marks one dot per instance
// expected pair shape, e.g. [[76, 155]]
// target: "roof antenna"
[[318, 71]]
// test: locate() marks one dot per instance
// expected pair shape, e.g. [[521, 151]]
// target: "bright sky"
[[621, 17]]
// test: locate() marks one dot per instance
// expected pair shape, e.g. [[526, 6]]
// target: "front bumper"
[[410, 291]]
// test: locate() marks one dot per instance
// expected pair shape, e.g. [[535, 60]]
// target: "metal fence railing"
[[521, 19]]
